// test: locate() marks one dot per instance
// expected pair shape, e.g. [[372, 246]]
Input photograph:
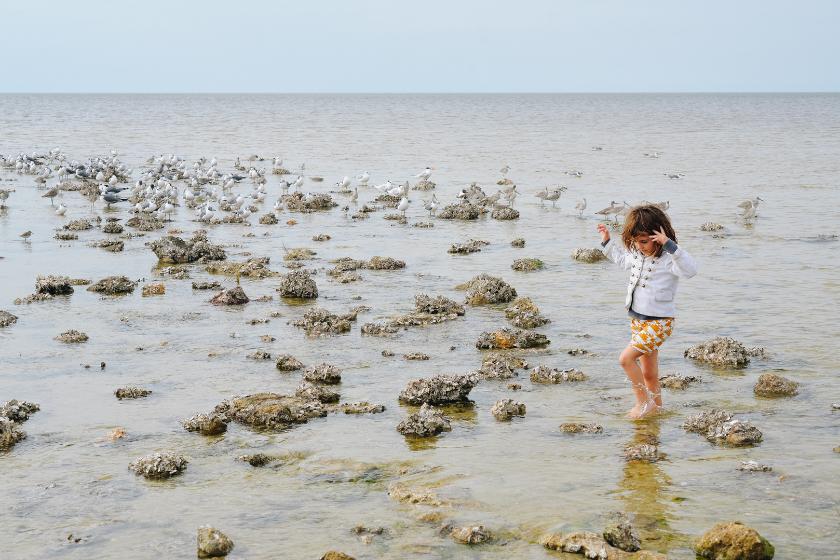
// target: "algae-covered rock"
[[53, 285], [256, 267], [511, 337], [159, 465], [7, 318], [719, 426], [506, 409], [722, 350], [322, 373], [206, 424], [428, 421], [544, 374], [770, 385], [269, 410], [591, 545], [131, 393], [581, 428], [732, 540], [113, 285], [484, 289], [588, 255], [298, 284], [440, 389], [72, 337], [235, 296], [212, 542], [287, 362], [175, 250], [310, 392]]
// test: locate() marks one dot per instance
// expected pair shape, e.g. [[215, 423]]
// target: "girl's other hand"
[[659, 236], [605, 233]]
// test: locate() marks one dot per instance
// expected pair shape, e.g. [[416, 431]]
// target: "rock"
[[465, 211], [285, 362], [206, 286], [770, 385], [113, 227], [321, 237], [299, 254], [385, 263], [259, 355], [363, 407], [621, 535], [484, 289], [514, 386], [131, 393], [53, 285], [544, 374], [423, 224], [753, 466], [310, 392], [732, 540], [710, 226], [10, 434], [522, 313], [80, 281], [175, 250], [415, 356], [269, 410], [722, 350], [471, 534], [109, 244], [510, 337], [642, 452], [325, 374], [506, 409], [235, 296], [527, 264], [591, 545], [519, 243], [320, 201], [588, 255], [581, 428], [113, 285], [298, 284], [418, 495], [71, 337], [153, 290], [506, 213], [718, 426], [269, 219], [428, 421], [257, 321], [212, 542], [33, 298], [144, 222], [677, 381], [257, 460], [267, 338], [318, 321], [387, 353], [470, 246], [206, 424], [78, 225], [429, 311], [66, 236], [333, 555], [423, 186], [377, 329], [159, 465], [7, 319], [256, 267], [18, 411], [497, 367], [440, 389]]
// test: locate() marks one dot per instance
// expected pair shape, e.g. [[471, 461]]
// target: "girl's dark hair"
[[646, 220]]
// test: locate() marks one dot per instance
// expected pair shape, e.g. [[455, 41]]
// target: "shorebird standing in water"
[[26, 236], [581, 206]]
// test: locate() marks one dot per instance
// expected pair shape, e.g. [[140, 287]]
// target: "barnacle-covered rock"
[[78, 225], [131, 393], [175, 250], [460, 212], [527, 264], [439, 305], [318, 321], [377, 329], [153, 290], [235, 296], [581, 428], [307, 391], [753, 466], [269, 410], [544, 374], [112, 227], [470, 246], [212, 542], [622, 535], [10, 434], [259, 355], [325, 374], [256, 267], [298, 284], [440, 389], [506, 213], [159, 465], [7, 318], [206, 424], [484, 289], [415, 356], [53, 285], [524, 314], [18, 411], [710, 226], [71, 337], [519, 243], [588, 255], [321, 201], [506, 409], [287, 362], [206, 286], [500, 366], [111, 244], [722, 350], [66, 236], [385, 263], [677, 381], [363, 407], [770, 385], [719, 426], [145, 222], [642, 452], [113, 285], [428, 421], [510, 337]]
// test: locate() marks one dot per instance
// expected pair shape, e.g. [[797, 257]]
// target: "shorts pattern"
[[649, 335]]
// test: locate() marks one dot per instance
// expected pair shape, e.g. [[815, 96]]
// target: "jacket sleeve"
[[682, 264], [617, 254]]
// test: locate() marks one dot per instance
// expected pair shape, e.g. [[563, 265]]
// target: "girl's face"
[[645, 244]]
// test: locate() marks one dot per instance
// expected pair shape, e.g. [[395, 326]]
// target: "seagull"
[[581, 206], [425, 174], [167, 209], [385, 187], [403, 205], [279, 205], [504, 170], [110, 198], [651, 154], [51, 194], [364, 177], [61, 210], [665, 205], [299, 181], [277, 161], [284, 185], [674, 176], [343, 184], [26, 236], [574, 173]]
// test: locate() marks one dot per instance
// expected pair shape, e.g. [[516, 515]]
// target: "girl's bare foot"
[[650, 409], [642, 409]]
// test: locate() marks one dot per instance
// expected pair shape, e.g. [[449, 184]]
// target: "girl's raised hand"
[[659, 236], [605, 233]]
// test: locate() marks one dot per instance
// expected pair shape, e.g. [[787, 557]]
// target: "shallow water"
[[770, 283]]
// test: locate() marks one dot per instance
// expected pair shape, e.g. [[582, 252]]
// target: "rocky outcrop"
[[256, 267], [500, 366], [732, 540], [298, 284], [588, 255], [719, 426], [287, 362], [71, 337], [206, 424], [523, 314], [159, 465], [724, 351], [511, 337], [770, 385], [484, 289], [310, 392], [113, 285], [429, 311], [321, 201], [212, 542], [12, 413], [544, 374], [591, 545], [376, 329], [53, 285], [175, 250], [581, 428], [428, 421], [506, 409], [7, 319], [269, 410], [441, 389], [131, 393], [322, 373], [78, 225], [235, 296], [460, 212]]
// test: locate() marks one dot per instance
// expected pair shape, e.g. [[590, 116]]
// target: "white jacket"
[[653, 281]]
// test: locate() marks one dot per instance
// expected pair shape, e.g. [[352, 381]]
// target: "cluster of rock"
[[426, 422], [318, 321], [428, 311], [500, 366], [719, 426], [545, 374], [13, 413], [485, 289], [269, 220], [592, 545], [322, 373], [723, 351], [510, 337], [131, 393], [311, 392], [523, 314], [53, 285], [159, 465], [113, 286], [66, 236], [588, 255], [527, 264], [256, 267], [234, 296], [269, 410], [298, 284], [643, 452]]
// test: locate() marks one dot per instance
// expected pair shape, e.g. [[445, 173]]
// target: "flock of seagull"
[[107, 180]]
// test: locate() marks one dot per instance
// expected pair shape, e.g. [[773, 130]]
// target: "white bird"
[[278, 206], [61, 209], [344, 183], [425, 174], [385, 187], [674, 176], [355, 196], [277, 161], [749, 211], [542, 195], [364, 177], [432, 205], [298, 182], [504, 170], [574, 173], [651, 154], [403, 205], [581, 206], [754, 202], [167, 209], [213, 162]]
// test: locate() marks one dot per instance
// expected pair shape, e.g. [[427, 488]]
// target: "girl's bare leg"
[[644, 401], [650, 370]]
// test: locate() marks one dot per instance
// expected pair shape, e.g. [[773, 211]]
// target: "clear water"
[[770, 283]]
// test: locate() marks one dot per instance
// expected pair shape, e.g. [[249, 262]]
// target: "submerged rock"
[[527, 264], [581, 428], [145, 222], [18, 411], [510, 337], [7, 319], [544, 374], [753, 466], [524, 314], [677, 381], [269, 410], [484, 289], [286, 362], [206, 286], [471, 246], [318, 321], [153, 290], [500, 366], [722, 350], [428, 421], [471, 534], [259, 355], [33, 298], [235, 296], [622, 535], [298, 284], [307, 391], [66, 236], [591, 545], [519, 243], [113, 285], [506, 213], [206, 424], [642, 452], [460, 212], [417, 495], [506, 409], [440, 389], [78, 225], [72, 337], [415, 356], [299, 254], [718, 426], [53, 285], [131, 393], [588, 255], [732, 540], [109, 244], [363, 407], [175, 250], [385, 263], [770, 385], [377, 329], [429, 311], [710, 226], [212, 542], [10, 434], [256, 267], [159, 465], [325, 374]]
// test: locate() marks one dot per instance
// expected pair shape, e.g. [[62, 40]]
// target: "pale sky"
[[387, 46]]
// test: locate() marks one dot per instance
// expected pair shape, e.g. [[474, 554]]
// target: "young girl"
[[657, 263]]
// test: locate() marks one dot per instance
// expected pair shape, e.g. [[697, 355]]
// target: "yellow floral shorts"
[[649, 335]]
